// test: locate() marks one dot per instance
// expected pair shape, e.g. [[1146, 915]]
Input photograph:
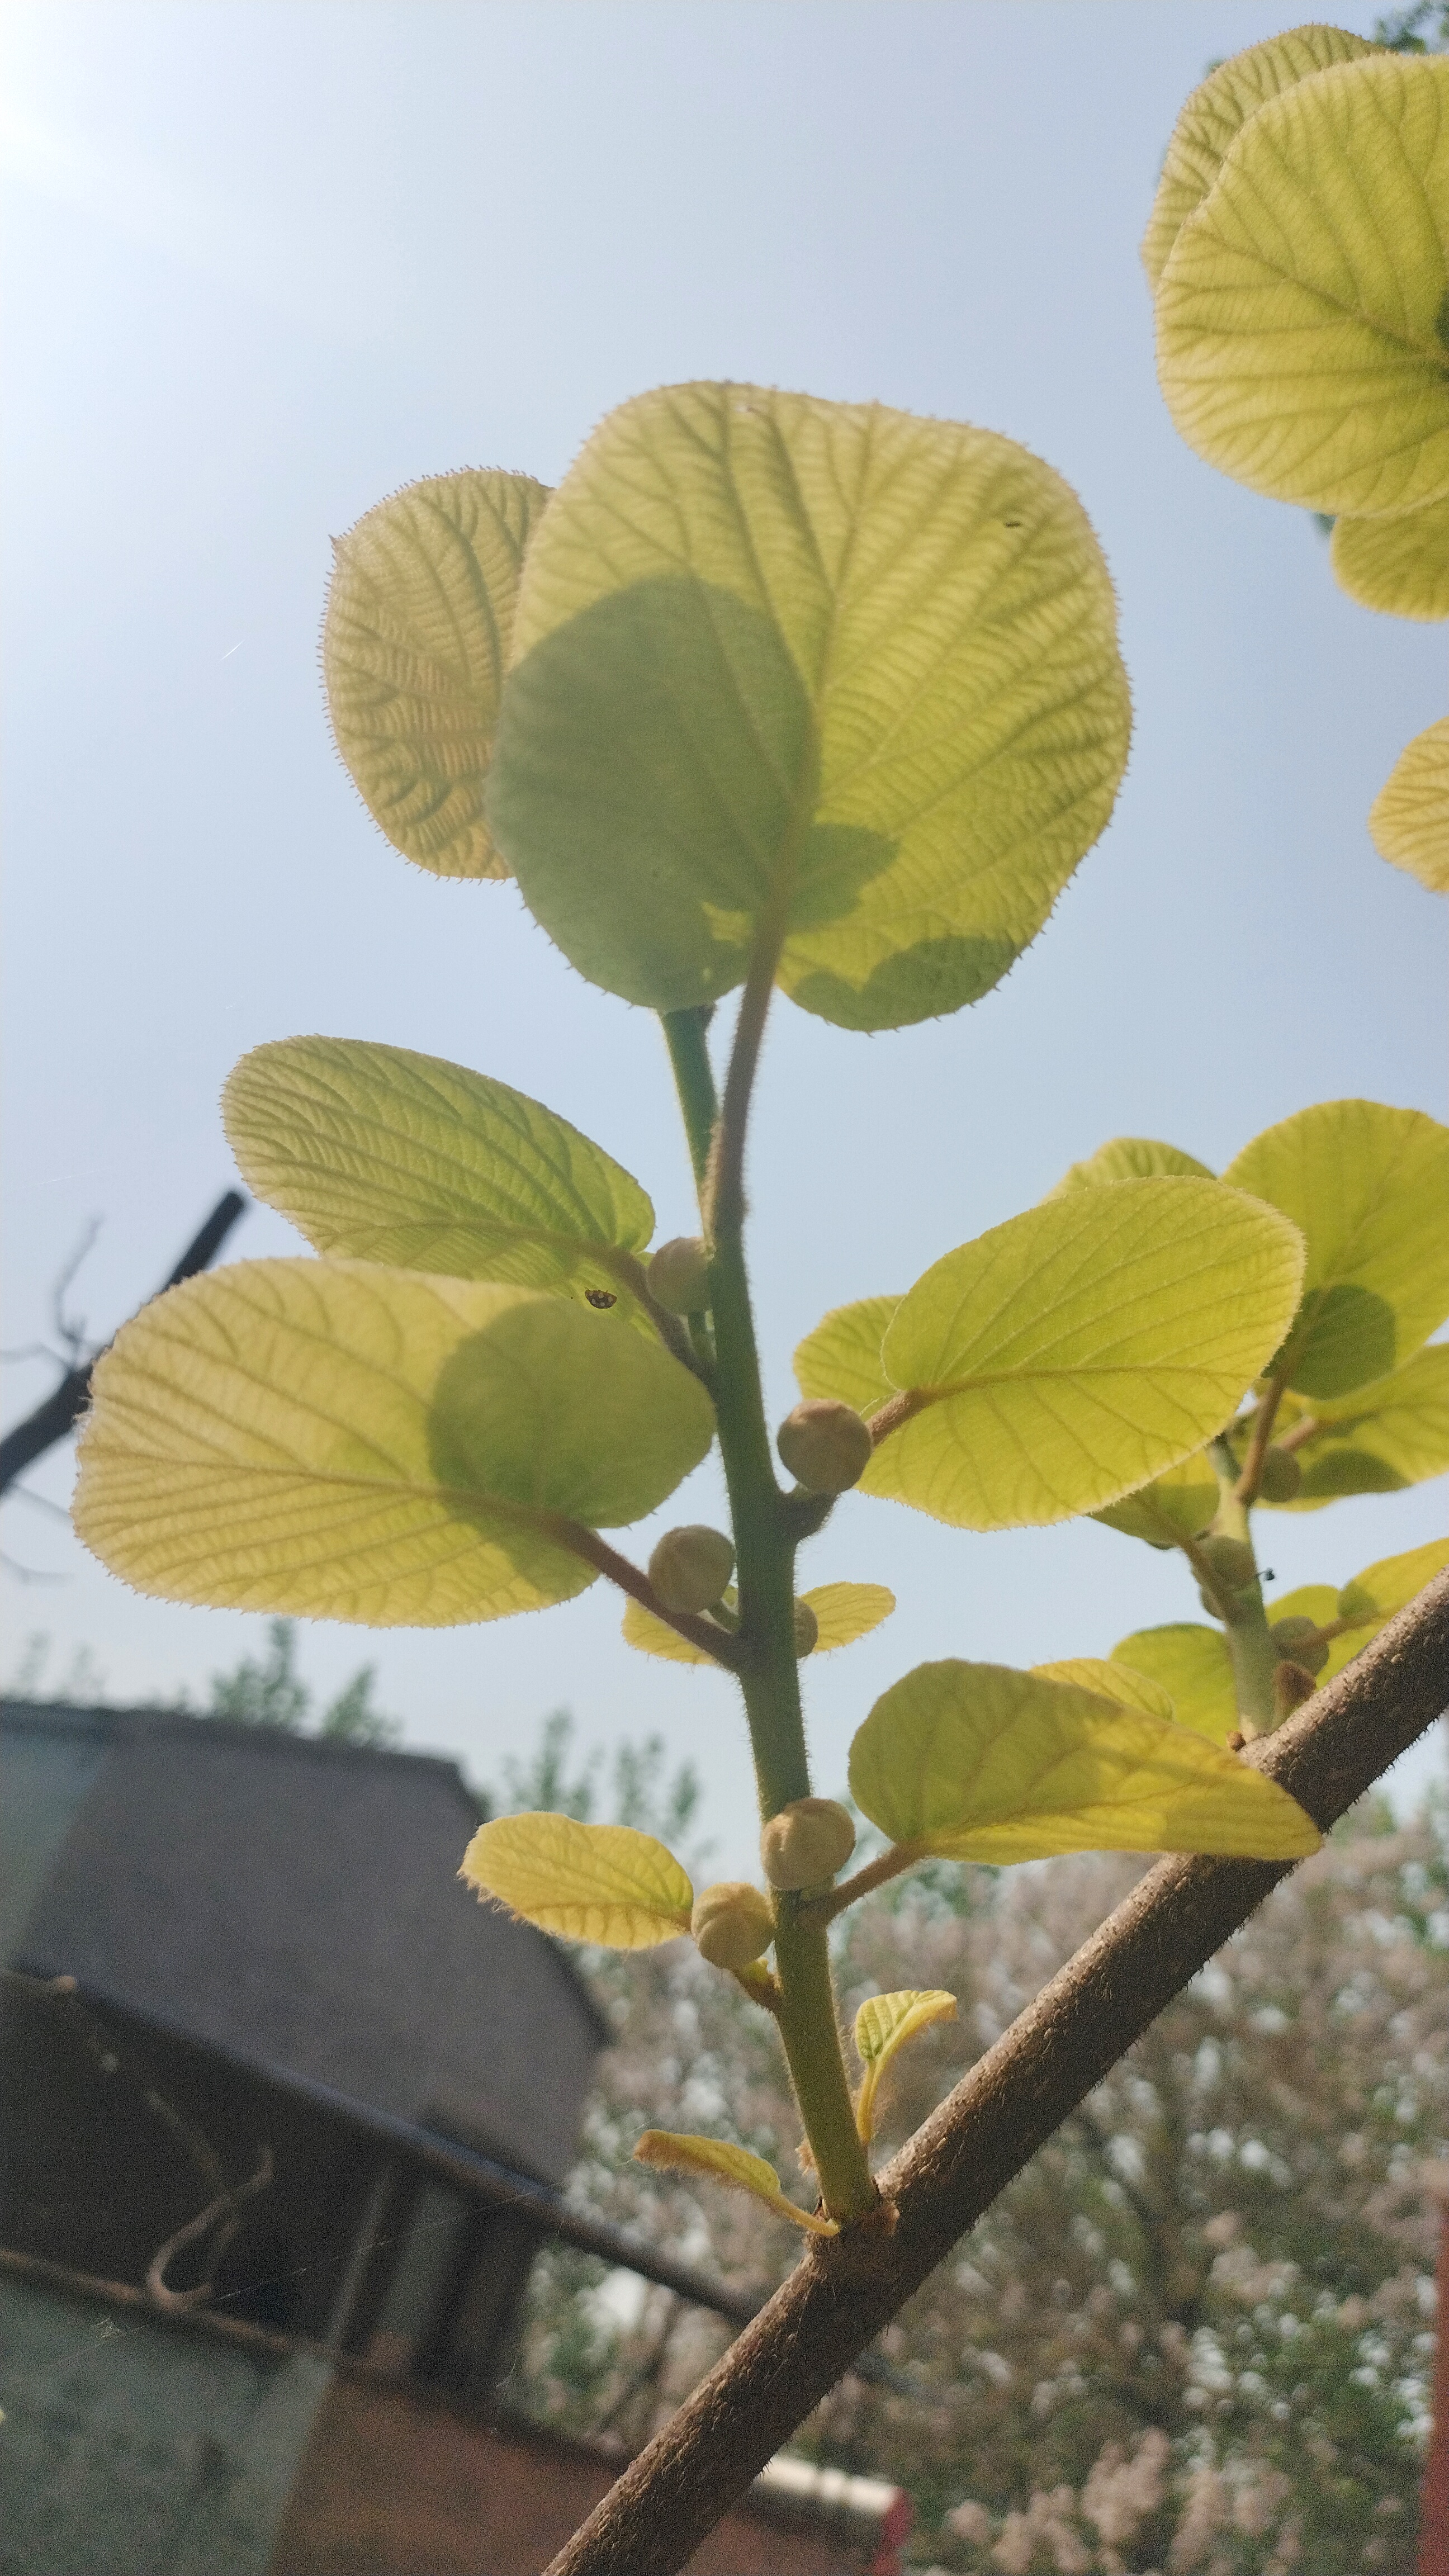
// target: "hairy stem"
[[1250, 1481], [714, 1641], [1251, 1650], [684, 1035], [901, 1856], [765, 1576]]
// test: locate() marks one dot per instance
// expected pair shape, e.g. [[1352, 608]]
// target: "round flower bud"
[[807, 1628], [1282, 1476], [825, 1445], [1232, 1561], [807, 1842], [1297, 1641], [679, 1275], [690, 1567], [732, 1923], [1291, 1687]]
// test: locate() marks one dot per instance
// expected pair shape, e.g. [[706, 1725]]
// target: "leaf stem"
[[714, 1641], [889, 1864], [684, 1035], [1251, 1650], [1249, 1482]]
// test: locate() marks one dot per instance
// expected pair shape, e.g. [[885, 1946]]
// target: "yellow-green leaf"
[[336, 1440], [842, 1356], [1172, 1508], [1369, 1187], [419, 624], [1069, 1355], [1215, 115], [604, 1883], [1391, 1433], [883, 2025], [1389, 1585], [382, 1155], [818, 662], [1409, 817], [974, 1762], [1400, 566], [843, 1612], [1130, 1158], [715, 2160], [1191, 1663], [1318, 1602], [1107, 1680], [1299, 315]]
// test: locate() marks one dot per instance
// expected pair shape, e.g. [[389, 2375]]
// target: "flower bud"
[[1282, 1476], [807, 1628], [808, 1841], [1297, 1641], [679, 1275], [732, 1923], [1232, 1561], [690, 1567], [825, 1445]]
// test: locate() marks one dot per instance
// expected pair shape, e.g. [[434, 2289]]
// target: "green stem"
[[1251, 1651], [769, 1674]]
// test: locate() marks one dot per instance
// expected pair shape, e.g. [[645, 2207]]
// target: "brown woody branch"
[[847, 2288], [63, 1407]]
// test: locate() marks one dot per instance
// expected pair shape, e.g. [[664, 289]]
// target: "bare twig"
[[63, 1408], [220, 2214], [847, 2289]]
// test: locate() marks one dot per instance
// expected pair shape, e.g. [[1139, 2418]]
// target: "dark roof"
[[296, 1901]]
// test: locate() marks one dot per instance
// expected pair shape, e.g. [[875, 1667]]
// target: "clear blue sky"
[[270, 259]]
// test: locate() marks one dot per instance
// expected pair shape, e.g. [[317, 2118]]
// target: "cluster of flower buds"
[[732, 1923], [690, 1567], [807, 1842], [679, 1275], [826, 1446]]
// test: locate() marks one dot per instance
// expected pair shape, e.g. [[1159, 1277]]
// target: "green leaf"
[[1069, 1355], [717, 2161], [604, 1883], [820, 670], [842, 1356], [1110, 1681], [382, 1155], [1392, 1433], [843, 1612], [1172, 1508], [1409, 817], [333, 1440], [415, 645], [1299, 316], [1400, 566], [884, 2024], [1369, 1187], [1215, 115], [1130, 1158], [977, 1763], [1191, 1663]]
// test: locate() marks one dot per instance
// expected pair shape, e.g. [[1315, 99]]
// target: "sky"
[[266, 263]]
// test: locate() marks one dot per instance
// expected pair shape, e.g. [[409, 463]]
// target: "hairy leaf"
[[1389, 1585], [1069, 1355], [1215, 115], [1110, 1681], [818, 671], [1130, 1158], [1191, 1663], [884, 2024], [382, 1155], [841, 1358], [1400, 566], [416, 642], [604, 1883], [335, 1440], [716, 2161], [1369, 1187], [1392, 1433], [1173, 1507], [1300, 312], [1409, 817], [974, 1762], [843, 1612]]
